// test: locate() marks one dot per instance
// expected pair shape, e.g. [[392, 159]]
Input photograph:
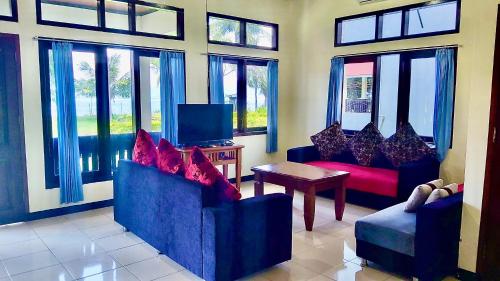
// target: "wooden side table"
[[220, 156]]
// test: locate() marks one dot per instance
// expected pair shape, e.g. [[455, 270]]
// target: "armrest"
[[303, 154], [246, 236], [437, 238], [415, 173]]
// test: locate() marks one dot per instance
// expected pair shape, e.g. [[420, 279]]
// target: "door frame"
[[20, 123], [485, 225]]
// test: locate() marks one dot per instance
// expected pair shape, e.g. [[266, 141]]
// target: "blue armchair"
[[215, 242]]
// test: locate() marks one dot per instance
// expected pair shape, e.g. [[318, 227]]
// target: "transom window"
[[8, 10], [146, 18], [419, 20], [234, 31], [388, 89], [245, 87]]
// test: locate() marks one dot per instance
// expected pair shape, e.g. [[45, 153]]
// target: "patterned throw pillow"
[[169, 159], [365, 144], [225, 191], [200, 169], [441, 193], [405, 146], [330, 142], [145, 152], [420, 195]]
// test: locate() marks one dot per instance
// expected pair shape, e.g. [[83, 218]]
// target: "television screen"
[[205, 124]]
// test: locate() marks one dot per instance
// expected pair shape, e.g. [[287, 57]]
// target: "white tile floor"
[[91, 246]]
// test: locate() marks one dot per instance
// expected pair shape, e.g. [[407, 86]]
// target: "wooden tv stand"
[[220, 155]]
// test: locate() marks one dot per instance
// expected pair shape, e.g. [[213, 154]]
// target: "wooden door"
[[13, 206]]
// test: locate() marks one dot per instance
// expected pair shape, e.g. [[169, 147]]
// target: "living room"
[[119, 54]]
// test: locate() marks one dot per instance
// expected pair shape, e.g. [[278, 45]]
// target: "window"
[[8, 10], [388, 89], [418, 20], [229, 30], [117, 92], [245, 87], [147, 18]]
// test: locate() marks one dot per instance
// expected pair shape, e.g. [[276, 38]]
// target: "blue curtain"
[[272, 107], [334, 106], [443, 109], [172, 92], [70, 176], [216, 77]]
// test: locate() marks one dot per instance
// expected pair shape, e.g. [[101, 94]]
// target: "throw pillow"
[[169, 159], [145, 152], [405, 146], [200, 169], [225, 191], [330, 142], [365, 144], [420, 195], [441, 193]]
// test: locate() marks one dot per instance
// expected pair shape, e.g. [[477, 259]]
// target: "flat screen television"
[[205, 124]]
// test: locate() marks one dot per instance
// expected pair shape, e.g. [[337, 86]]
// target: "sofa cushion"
[[200, 168], [441, 193], [365, 144], [330, 141], [225, 191], [366, 179], [420, 195], [405, 146], [145, 152], [169, 159], [391, 228]]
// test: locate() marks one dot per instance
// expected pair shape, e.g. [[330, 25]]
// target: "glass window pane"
[[422, 93], [357, 95], [391, 24], [388, 94], [66, 11], [5, 8], [256, 96], [231, 88], [433, 18], [260, 35], [149, 68], [156, 20], [360, 29], [224, 30], [117, 15]]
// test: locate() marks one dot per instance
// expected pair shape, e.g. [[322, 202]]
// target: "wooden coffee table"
[[305, 178]]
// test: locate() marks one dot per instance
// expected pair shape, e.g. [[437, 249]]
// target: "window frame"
[[101, 20], [14, 16], [403, 103], [243, 34], [404, 24], [241, 95], [103, 107]]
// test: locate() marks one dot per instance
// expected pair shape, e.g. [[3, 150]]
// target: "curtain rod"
[[239, 57], [397, 51], [36, 38]]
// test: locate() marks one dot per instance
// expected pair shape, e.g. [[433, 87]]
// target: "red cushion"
[[169, 159], [461, 187], [145, 152], [200, 169], [367, 179], [226, 192]]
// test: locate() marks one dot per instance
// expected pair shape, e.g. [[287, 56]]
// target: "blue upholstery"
[[391, 228], [215, 242]]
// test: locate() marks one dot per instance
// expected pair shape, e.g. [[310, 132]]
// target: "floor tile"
[[76, 251], [118, 241], [91, 221], [90, 265], [350, 271], [120, 274], [22, 248], [16, 233], [103, 231], [154, 268], [65, 239], [289, 271], [181, 276], [54, 228], [133, 254], [52, 273], [3, 271], [30, 262]]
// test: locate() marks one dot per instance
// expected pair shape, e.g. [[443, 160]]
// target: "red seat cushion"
[[169, 159], [145, 152], [366, 179]]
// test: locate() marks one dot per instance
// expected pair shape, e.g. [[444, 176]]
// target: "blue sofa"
[[422, 244], [215, 242], [409, 175]]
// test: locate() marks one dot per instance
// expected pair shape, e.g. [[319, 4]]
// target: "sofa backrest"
[[163, 210]]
